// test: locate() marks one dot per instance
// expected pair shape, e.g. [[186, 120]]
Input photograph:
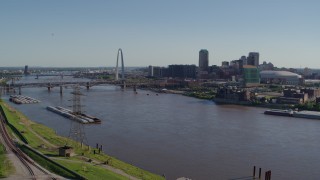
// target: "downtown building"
[[173, 71], [203, 64], [155, 71], [181, 71], [26, 70], [251, 76], [253, 59], [203, 60]]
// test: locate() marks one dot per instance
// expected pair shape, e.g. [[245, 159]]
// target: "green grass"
[[47, 164], [53, 138], [22, 124], [201, 95], [129, 169], [91, 171], [5, 165]]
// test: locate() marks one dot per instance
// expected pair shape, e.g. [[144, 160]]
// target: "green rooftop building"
[[251, 76]]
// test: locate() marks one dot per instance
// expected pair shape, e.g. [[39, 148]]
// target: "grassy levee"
[[73, 169], [52, 137], [91, 171], [49, 142], [13, 128], [52, 167], [5, 165]]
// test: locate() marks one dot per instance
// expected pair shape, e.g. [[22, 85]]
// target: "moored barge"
[[279, 112], [82, 118], [292, 113], [307, 114]]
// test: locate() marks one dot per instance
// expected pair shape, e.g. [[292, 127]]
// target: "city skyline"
[[82, 33]]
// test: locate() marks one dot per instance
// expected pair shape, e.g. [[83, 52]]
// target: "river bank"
[[5, 165], [181, 136], [211, 97], [46, 141]]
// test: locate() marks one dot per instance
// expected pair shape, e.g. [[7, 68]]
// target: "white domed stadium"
[[280, 77]]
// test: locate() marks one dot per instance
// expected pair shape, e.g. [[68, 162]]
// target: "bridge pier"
[[88, 85], [49, 87], [135, 88], [123, 85], [12, 81], [8, 89]]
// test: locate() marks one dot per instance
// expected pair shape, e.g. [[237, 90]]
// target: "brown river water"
[[186, 137]]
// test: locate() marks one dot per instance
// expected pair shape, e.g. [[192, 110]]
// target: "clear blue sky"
[[159, 32]]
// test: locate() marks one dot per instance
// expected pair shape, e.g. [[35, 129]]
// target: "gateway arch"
[[122, 66]]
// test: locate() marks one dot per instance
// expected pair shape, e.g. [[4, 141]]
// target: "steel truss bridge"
[[51, 84]]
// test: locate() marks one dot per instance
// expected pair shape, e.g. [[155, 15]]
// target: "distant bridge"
[[64, 83], [10, 75], [51, 84], [51, 75]]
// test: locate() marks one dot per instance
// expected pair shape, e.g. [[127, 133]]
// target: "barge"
[[82, 118], [279, 112], [18, 99], [307, 114], [291, 113]]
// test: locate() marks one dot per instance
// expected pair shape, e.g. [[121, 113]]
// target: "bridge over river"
[[51, 84]]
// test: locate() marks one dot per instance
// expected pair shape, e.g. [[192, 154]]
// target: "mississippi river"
[[186, 137]]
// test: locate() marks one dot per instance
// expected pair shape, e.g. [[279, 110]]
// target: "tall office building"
[[155, 71], [150, 71], [251, 76], [181, 71], [225, 64], [203, 60], [26, 70], [253, 59], [244, 60]]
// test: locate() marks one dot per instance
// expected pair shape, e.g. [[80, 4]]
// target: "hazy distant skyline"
[[88, 33]]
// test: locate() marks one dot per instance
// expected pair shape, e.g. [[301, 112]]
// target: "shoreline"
[[219, 101], [49, 142]]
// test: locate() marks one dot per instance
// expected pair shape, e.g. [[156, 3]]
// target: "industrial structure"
[[66, 151], [77, 132]]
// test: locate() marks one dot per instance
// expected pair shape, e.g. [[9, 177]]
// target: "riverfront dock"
[[82, 118], [18, 99]]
